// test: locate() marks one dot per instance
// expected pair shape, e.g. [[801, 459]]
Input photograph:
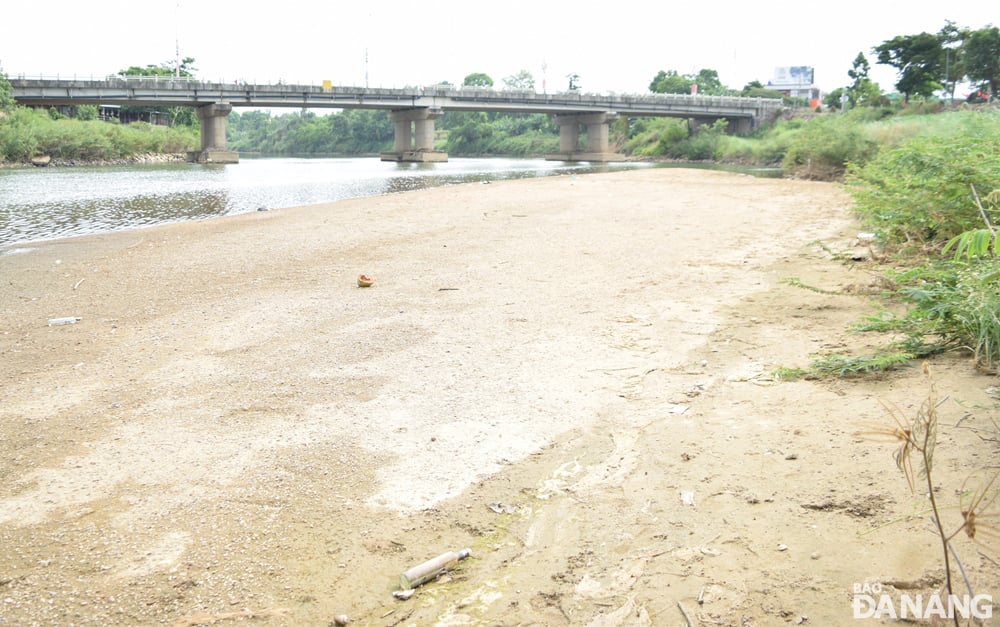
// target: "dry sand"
[[570, 376]]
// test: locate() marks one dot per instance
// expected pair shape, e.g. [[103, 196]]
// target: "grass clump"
[[847, 366], [947, 305], [951, 305]]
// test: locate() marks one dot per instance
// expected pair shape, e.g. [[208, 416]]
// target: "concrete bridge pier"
[[739, 126], [414, 136], [213, 135], [598, 126]]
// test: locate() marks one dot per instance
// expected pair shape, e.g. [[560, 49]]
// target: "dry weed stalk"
[[918, 438], [975, 510], [901, 433], [206, 618]]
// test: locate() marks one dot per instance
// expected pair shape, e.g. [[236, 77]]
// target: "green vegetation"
[[78, 135], [176, 115], [27, 133], [823, 148], [920, 195], [521, 80], [477, 133], [927, 62], [982, 58], [6, 95], [358, 131], [705, 82], [917, 192], [477, 79], [951, 305]]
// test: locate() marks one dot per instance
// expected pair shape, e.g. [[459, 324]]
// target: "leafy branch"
[[977, 242]]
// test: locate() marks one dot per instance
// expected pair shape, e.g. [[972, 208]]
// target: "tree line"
[[928, 62], [366, 131]]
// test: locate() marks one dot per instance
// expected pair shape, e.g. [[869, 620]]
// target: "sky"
[[611, 48]]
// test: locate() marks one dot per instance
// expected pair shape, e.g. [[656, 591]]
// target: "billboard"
[[793, 75]]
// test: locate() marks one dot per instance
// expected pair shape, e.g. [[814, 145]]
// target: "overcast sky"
[[611, 47]]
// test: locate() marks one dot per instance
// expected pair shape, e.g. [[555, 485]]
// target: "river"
[[47, 203]]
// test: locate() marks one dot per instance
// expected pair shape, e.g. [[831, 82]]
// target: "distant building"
[[796, 82]]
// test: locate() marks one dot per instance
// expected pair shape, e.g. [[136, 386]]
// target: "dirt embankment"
[[570, 376]]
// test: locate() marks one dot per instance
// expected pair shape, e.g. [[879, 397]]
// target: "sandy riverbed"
[[570, 376]]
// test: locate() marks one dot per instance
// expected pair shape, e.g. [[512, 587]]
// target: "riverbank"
[[47, 161], [568, 375]]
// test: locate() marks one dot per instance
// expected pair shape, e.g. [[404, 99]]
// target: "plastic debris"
[[55, 322], [431, 569]]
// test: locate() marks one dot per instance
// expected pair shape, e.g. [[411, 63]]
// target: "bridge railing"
[[442, 90], [108, 77], [157, 87]]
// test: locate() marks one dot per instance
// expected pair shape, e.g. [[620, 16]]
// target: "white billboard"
[[793, 75]]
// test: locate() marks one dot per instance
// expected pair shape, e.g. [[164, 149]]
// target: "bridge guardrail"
[[193, 91], [458, 93]]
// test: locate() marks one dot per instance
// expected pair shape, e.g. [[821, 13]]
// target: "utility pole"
[[177, 41]]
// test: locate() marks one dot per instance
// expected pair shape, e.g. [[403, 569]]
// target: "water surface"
[[47, 203]]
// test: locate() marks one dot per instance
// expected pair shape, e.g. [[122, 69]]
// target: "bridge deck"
[[171, 91]]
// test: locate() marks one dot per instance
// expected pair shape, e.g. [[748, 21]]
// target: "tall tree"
[[982, 58], [862, 89], [477, 79], [670, 82], [167, 68], [919, 59], [7, 101], [708, 82], [953, 41], [521, 80]]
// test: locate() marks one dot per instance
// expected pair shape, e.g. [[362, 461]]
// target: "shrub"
[[27, 133], [825, 145], [652, 137], [920, 192], [703, 144], [85, 112]]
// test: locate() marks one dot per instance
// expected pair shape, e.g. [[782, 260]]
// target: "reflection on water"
[[47, 203]]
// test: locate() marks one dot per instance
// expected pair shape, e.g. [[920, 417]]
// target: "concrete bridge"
[[412, 110]]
